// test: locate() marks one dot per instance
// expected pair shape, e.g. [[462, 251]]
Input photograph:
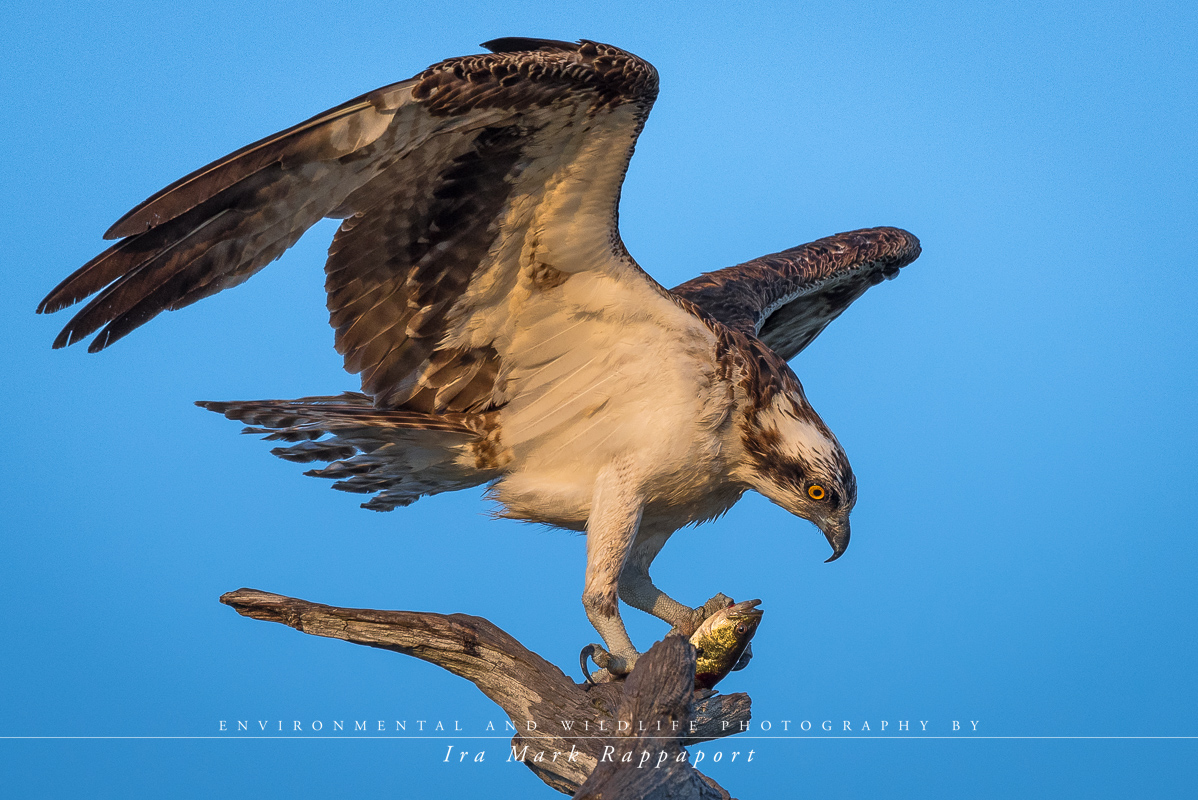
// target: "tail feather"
[[395, 454], [307, 452]]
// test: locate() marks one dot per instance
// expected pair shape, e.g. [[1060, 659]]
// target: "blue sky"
[[1018, 406]]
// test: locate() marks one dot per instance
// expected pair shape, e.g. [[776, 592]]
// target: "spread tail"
[[397, 455]]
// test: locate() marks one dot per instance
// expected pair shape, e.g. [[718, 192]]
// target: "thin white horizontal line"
[[729, 737]]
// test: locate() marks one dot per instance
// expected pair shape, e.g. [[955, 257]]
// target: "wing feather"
[[466, 193], [786, 299], [330, 135]]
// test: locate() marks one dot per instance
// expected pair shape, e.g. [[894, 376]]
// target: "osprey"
[[503, 334]]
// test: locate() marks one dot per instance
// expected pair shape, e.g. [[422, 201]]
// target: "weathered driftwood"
[[655, 711], [660, 692]]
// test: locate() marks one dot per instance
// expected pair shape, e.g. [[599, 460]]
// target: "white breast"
[[628, 384]]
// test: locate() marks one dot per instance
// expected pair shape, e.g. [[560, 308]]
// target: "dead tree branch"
[[654, 711]]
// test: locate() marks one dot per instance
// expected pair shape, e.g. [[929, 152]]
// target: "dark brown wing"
[[458, 186], [787, 298], [219, 225]]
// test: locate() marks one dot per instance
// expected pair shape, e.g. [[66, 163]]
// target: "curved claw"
[[595, 653], [612, 666]]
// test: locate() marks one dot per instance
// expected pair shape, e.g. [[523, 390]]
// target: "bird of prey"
[[503, 334]]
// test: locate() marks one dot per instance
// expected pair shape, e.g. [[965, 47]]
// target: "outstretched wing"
[[483, 182], [787, 298]]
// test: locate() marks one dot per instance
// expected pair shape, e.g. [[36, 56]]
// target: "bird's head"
[[794, 460]]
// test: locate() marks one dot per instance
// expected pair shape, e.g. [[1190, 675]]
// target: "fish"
[[722, 642], [722, 645]]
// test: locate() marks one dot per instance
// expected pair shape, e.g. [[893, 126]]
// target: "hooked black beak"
[[838, 537]]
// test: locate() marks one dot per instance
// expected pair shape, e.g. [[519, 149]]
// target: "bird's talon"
[[615, 666], [620, 666], [687, 628], [597, 654], [720, 601]]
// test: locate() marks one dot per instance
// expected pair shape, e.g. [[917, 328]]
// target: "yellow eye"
[[815, 491]]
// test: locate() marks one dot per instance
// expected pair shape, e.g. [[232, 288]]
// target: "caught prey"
[[723, 640]]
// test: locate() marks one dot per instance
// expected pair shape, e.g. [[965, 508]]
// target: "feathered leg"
[[611, 527]]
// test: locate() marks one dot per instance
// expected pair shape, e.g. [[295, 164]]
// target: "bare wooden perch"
[[654, 711]]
